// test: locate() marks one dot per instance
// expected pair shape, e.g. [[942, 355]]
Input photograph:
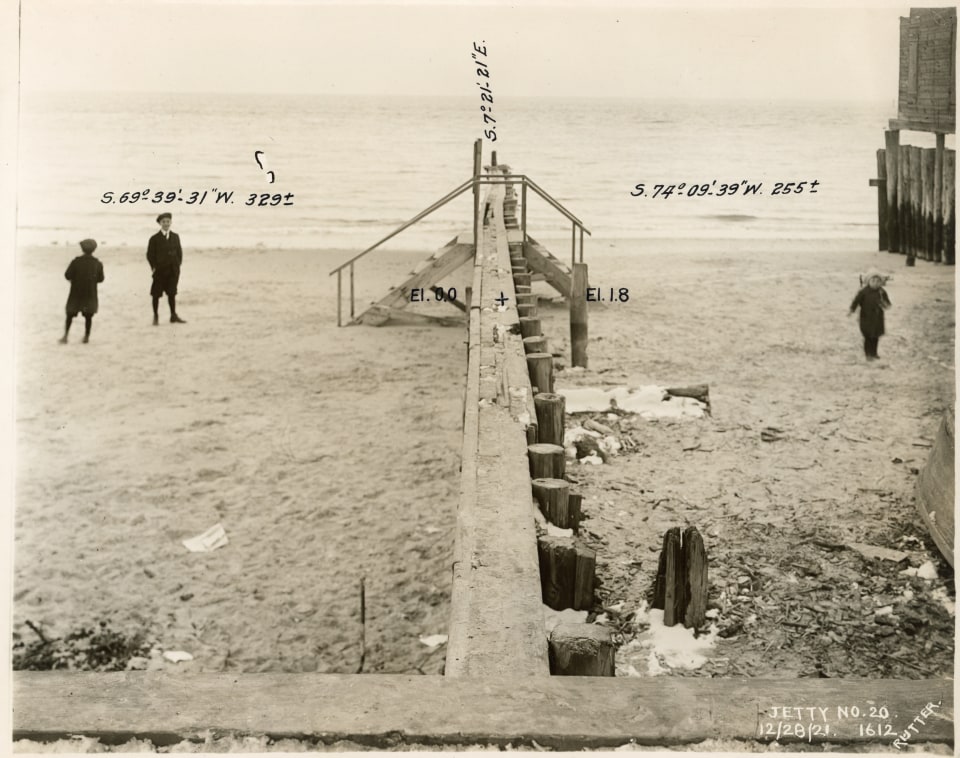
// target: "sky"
[[564, 50]]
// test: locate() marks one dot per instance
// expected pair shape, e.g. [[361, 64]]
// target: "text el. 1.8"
[[611, 295]]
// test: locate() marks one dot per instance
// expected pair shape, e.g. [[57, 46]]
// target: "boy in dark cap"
[[84, 274], [165, 255], [872, 300]]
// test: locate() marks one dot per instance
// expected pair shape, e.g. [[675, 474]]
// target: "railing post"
[[581, 244], [523, 209], [338, 296], [573, 244], [477, 151], [351, 287]]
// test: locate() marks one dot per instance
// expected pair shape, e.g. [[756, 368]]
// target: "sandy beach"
[[332, 454]]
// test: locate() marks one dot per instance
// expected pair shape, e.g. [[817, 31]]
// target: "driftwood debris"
[[699, 392]]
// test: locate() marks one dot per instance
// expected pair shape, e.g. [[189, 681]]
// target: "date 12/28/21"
[[725, 189]]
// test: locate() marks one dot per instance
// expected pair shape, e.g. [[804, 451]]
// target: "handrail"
[[423, 214], [473, 182], [543, 193], [508, 178]]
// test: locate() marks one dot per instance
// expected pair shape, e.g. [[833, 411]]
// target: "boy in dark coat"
[[165, 256], [84, 274], [872, 301]]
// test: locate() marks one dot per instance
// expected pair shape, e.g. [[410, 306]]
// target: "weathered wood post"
[[909, 222], [916, 194], [522, 280], [881, 184], [529, 326], [926, 203], [526, 310], [567, 572], [535, 344], [351, 293], [949, 198], [540, 366], [938, 198], [578, 315], [695, 579], [902, 228], [477, 154], [575, 508], [546, 461], [553, 497], [581, 650], [339, 271], [892, 160], [550, 410]]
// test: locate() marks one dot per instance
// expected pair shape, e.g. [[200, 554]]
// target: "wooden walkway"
[[496, 621]]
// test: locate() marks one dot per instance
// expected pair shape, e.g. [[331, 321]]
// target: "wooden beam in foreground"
[[566, 713]]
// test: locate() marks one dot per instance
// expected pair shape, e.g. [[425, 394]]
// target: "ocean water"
[[359, 166]]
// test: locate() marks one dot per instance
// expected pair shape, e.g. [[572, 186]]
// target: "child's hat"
[[88, 245], [162, 216]]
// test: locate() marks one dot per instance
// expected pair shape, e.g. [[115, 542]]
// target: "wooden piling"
[[521, 280], [695, 579], [526, 310], [581, 650], [540, 366], [546, 461], [892, 159], [550, 410], [567, 571], [881, 184], [575, 509], [903, 236], [926, 203], [553, 497], [526, 298], [578, 315], [916, 194], [522, 289], [535, 344], [586, 570], [948, 209], [558, 571], [529, 326], [937, 204]]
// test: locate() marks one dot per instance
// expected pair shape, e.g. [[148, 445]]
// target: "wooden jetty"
[[506, 681], [916, 186]]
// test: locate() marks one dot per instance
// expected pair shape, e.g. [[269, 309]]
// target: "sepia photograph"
[[475, 376]]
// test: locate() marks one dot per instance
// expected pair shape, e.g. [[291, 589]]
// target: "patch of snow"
[[552, 619], [434, 640], [927, 571], [556, 531], [660, 648]]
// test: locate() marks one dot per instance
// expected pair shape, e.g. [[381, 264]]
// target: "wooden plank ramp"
[[428, 273], [496, 618]]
